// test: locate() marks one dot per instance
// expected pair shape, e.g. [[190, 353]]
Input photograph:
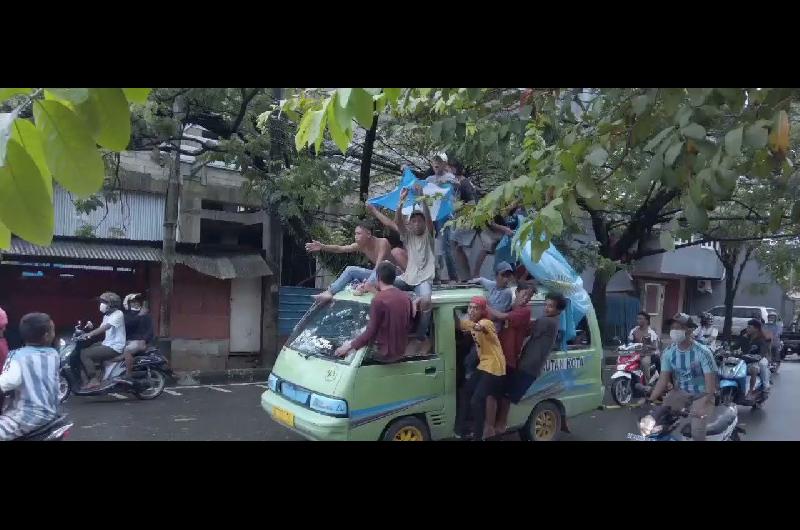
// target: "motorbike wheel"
[[64, 388], [158, 380], [622, 391], [727, 396]]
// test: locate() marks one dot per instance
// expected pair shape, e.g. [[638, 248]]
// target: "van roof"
[[442, 294]]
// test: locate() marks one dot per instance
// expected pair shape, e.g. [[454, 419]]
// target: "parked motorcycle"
[[55, 431], [733, 379], [149, 377], [628, 382], [661, 425]]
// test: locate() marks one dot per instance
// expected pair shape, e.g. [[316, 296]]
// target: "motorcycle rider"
[[31, 374], [690, 367], [755, 343], [113, 344], [138, 328], [644, 334], [707, 332]]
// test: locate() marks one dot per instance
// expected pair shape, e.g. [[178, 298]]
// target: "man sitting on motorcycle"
[[707, 332], [644, 334], [113, 344], [31, 376], [138, 328], [755, 343], [690, 367]]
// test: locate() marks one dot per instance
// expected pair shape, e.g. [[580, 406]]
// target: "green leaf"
[[568, 162], [775, 217], [25, 134], [586, 188], [657, 139], [597, 156], [695, 131], [73, 95], [733, 142], [697, 95], [362, 106], [667, 240], [435, 131], [137, 95], [6, 122], [5, 237], [6, 93], [672, 153], [489, 137], [344, 96], [315, 128], [697, 216], [391, 95], [303, 130], [110, 108], [756, 136], [69, 149], [340, 137], [449, 128], [639, 104], [25, 197], [683, 116]]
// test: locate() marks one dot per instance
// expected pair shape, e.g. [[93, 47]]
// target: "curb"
[[242, 375]]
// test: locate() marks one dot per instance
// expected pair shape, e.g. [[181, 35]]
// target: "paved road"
[[233, 412]]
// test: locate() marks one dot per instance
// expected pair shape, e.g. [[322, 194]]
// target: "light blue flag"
[[441, 210]]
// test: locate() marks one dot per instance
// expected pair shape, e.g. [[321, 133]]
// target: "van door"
[[383, 392]]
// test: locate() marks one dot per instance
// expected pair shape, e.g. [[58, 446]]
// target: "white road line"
[[118, 396], [183, 387], [262, 386], [172, 392], [218, 389]]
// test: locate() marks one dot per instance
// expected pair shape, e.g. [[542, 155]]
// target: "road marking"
[[218, 389], [243, 384], [611, 407], [118, 396], [217, 386], [172, 392], [184, 419], [262, 386]]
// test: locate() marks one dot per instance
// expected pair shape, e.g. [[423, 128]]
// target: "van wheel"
[[408, 429], [544, 424]]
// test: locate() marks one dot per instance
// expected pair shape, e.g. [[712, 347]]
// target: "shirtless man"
[[375, 249]]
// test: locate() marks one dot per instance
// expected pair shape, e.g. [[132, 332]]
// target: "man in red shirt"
[[390, 319], [512, 337]]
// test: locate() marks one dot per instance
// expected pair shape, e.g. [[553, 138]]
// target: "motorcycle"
[[55, 431], [628, 382], [148, 380], [734, 379], [661, 425]]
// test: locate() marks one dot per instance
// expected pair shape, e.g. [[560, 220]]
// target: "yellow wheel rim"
[[544, 427], [408, 434]]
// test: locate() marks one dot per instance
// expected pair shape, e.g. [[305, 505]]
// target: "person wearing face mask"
[[113, 344], [138, 328], [691, 368]]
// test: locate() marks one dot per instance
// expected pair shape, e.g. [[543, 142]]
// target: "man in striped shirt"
[[690, 367]]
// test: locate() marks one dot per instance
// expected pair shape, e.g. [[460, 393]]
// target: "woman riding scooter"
[[138, 328]]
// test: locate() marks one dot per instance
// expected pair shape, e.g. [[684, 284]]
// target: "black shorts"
[[517, 383]]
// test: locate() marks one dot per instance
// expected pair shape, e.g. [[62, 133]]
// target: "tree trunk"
[[366, 161], [599, 302], [730, 295], [168, 249]]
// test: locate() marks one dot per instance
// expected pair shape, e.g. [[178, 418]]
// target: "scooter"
[[661, 425], [628, 382], [55, 431], [149, 377], [734, 379]]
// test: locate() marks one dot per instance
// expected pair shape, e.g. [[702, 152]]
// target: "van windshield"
[[327, 327]]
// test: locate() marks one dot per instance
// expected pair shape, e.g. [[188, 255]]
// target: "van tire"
[[548, 426], [407, 429]]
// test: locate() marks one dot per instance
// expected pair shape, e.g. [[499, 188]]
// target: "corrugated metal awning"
[[225, 267]]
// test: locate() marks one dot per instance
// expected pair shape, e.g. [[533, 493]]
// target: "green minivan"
[[323, 397]]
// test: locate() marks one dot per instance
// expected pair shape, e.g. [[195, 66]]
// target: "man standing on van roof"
[[375, 249], [417, 236], [389, 320]]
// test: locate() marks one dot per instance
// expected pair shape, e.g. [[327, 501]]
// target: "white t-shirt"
[[115, 335]]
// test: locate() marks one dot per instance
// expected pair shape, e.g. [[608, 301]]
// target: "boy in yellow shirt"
[[489, 378]]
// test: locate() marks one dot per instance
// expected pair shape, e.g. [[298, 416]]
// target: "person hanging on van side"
[[390, 316], [538, 348], [375, 249], [488, 380], [417, 234]]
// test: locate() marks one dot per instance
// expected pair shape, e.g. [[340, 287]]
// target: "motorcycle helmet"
[[706, 318], [132, 297], [111, 299]]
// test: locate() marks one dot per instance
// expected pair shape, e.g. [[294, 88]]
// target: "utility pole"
[[170, 235]]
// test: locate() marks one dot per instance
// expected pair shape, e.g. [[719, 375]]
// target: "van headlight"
[[329, 406], [647, 426], [272, 382]]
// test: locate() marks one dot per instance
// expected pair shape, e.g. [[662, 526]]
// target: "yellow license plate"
[[283, 416]]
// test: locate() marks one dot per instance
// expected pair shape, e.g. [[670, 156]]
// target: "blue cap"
[[502, 267]]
